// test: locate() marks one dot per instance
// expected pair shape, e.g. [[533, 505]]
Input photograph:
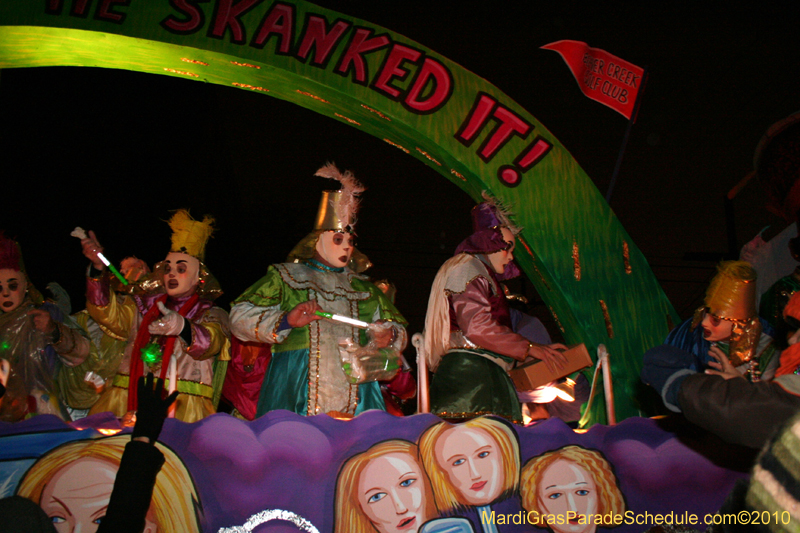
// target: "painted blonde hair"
[[175, 501], [448, 499], [350, 518], [610, 498]]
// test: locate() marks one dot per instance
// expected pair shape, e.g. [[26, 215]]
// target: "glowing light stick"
[[81, 234], [344, 320], [172, 373]]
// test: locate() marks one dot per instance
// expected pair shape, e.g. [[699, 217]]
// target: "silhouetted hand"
[[152, 409]]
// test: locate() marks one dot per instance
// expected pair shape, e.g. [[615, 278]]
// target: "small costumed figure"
[[172, 316], [80, 386], [36, 338], [728, 325], [309, 373], [469, 340]]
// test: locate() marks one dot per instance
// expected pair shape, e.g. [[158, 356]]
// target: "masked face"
[[334, 248], [181, 274], [716, 329], [12, 289], [500, 259]]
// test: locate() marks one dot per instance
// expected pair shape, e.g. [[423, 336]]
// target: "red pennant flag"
[[601, 76]]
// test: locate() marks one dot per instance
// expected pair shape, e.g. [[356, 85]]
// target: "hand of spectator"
[[551, 354], [91, 248], [42, 320], [152, 409], [303, 314], [170, 323], [722, 366]]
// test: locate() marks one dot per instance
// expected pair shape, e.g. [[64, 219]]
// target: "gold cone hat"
[[328, 216], [732, 292]]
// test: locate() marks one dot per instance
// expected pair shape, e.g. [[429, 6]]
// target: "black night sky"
[[115, 151]]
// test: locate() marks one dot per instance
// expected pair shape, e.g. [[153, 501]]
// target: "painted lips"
[[478, 486], [407, 523]]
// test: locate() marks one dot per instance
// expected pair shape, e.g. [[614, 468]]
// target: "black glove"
[[152, 409]]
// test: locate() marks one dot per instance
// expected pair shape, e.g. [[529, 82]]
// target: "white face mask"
[[335, 248], [12, 289], [181, 274]]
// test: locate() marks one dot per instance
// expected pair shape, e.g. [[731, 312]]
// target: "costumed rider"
[[728, 324], [172, 317], [36, 338], [80, 386], [719, 397], [469, 340], [311, 371]]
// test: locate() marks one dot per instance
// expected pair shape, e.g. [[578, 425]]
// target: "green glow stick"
[[81, 234], [343, 319]]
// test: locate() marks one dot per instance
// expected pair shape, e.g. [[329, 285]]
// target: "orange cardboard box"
[[535, 373]]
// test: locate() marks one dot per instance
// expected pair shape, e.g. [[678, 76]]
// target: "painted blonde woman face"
[[565, 488], [471, 459], [76, 497], [391, 492]]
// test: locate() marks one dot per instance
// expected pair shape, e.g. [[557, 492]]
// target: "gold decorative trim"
[[248, 86], [275, 329], [185, 73], [376, 112], [195, 61], [338, 292], [555, 317], [458, 175], [428, 156], [315, 97], [258, 323], [403, 148], [576, 260], [607, 317], [626, 257], [350, 120]]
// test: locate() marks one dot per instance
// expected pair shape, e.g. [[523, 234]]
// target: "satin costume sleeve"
[[258, 312], [114, 314], [473, 314], [210, 335]]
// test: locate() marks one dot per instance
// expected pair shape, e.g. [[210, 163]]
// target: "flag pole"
[[627, 135]]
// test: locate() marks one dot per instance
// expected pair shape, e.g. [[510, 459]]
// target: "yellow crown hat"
[[732, 292], [190, 236], [731, 295]]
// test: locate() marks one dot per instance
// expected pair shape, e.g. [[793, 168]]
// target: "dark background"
[[115, 151]]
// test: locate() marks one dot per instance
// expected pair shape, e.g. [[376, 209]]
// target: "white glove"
[[170, 323]]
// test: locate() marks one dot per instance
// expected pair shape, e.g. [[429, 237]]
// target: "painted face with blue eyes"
[[566, 487], [470, 457], [392, 493], [76, 497]]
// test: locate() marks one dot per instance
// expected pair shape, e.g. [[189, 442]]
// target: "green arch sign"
[[594, 279]]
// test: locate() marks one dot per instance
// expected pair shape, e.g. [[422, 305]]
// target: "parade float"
[[283, 472]]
